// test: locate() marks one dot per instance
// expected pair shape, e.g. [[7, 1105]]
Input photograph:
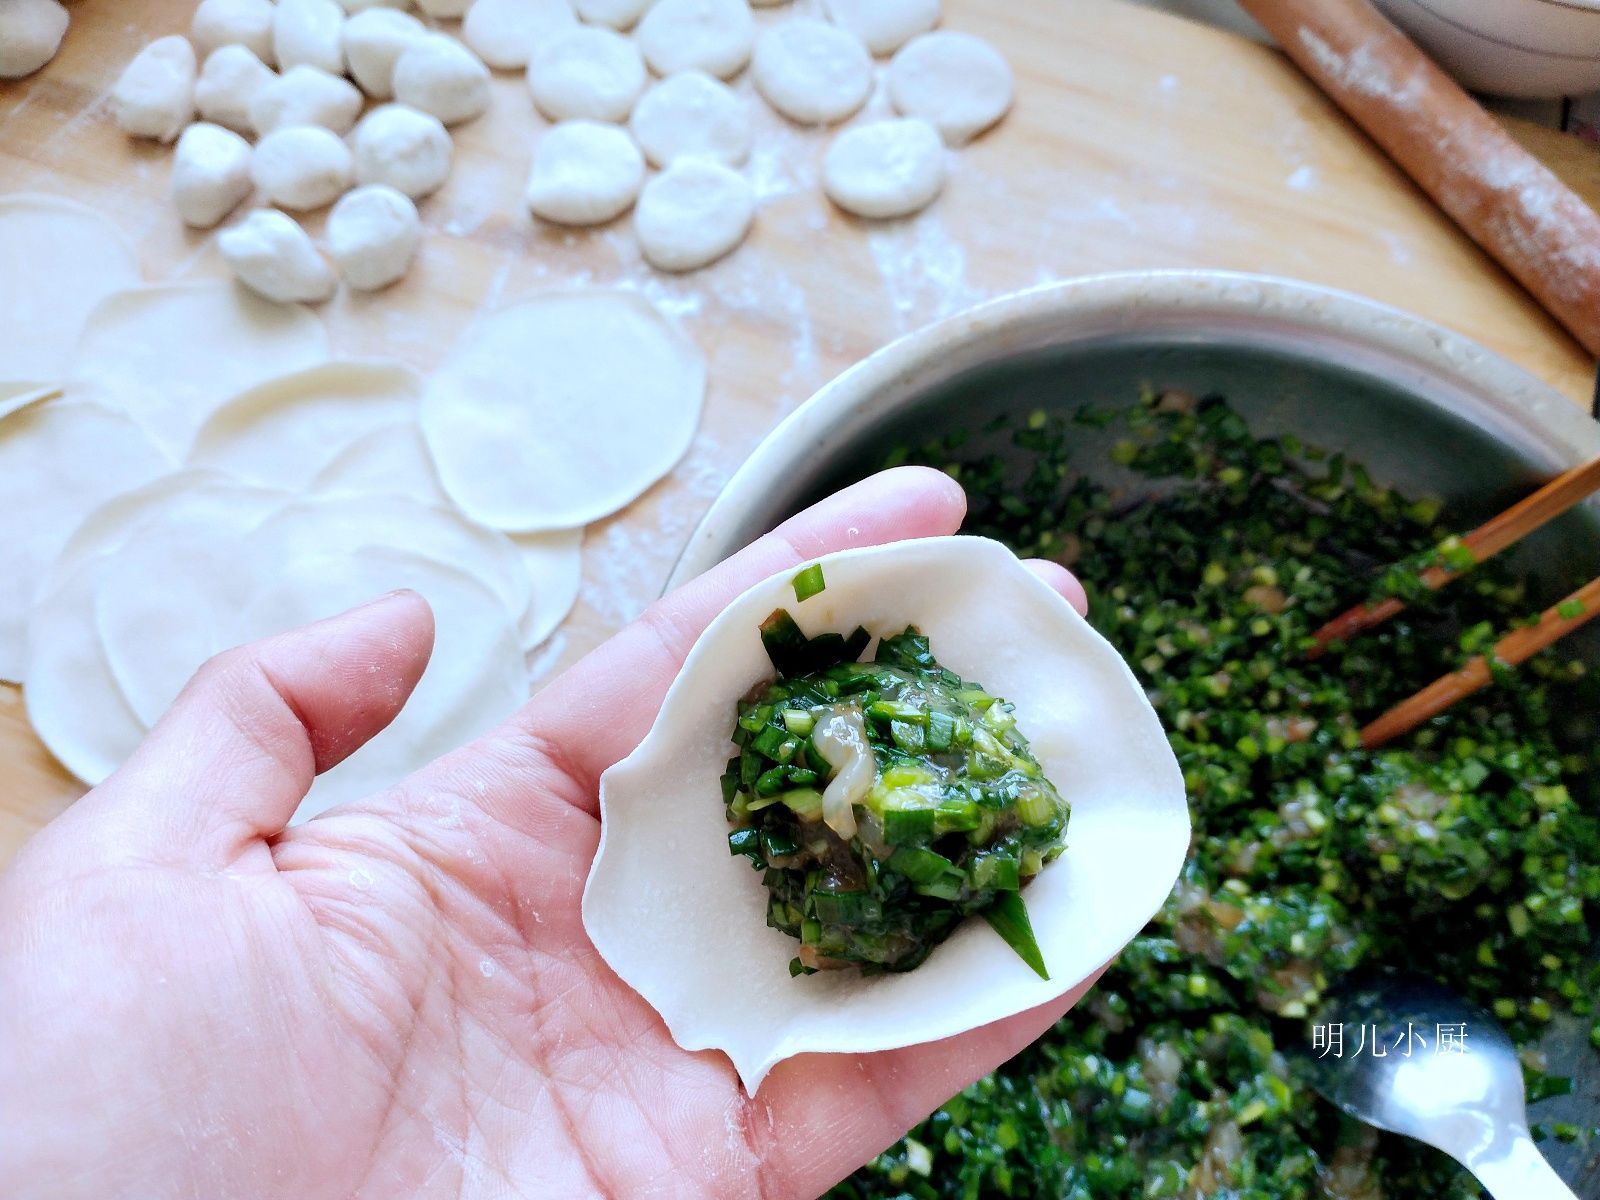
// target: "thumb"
[[239, 748]]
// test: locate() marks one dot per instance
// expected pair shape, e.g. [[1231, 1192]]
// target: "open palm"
[[398, 998]]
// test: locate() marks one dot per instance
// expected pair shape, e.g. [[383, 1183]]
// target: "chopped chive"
[[1008, 916], [1570, 610], [809, 582]]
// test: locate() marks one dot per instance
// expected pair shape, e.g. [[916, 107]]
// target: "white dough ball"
[[229, 83], [308, 32], [692, 214], [247, 23], [692, 114], [714, 36], [210, 174], [154, 96], [374, 40], [505, 33], [306, 96], [885, 169], [302, 167], [30, 34], [373, 234], [441, 76], [810, 71], [273, 256], [884, 25], [958, 83], [619, 14], [584, 173], [445, 9], [586, 73], [403, 147]]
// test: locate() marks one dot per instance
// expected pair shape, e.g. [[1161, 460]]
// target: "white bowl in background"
[[1532, 49]]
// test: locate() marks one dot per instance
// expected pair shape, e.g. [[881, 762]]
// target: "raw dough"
[[210, 174], [959, 83], [885, 169], [810, 71], [884, 25], [441, 76], [404, 148], [692, 214], [61, 259], [692, 114], [374, 40], [306, 96], [619, 14], [247, 23], [59, 460], [559, 410], [302, 167], [394, 461], [169, 355], [274, 257], [584, 173], [154, 96], [283, 433], [714, 36], [230, 80], [309, 32], [30, 34], [505, 33], [373, 233], [586, 73], [709, 964]]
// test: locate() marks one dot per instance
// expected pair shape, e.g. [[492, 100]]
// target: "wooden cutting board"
[[1138, 140]]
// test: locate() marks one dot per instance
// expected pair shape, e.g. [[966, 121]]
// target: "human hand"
[[398, 998]]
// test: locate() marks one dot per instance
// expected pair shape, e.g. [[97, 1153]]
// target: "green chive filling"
[[948, 815]]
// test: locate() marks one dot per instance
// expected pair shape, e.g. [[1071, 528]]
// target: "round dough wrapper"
[[692, 115], [692, 214], [714, 36], [557, 411], [84, 259], [958, 83], [394, 460], [712, 968], [283, 433], [475, 678], [885, 168], [884, 25], [170, 355], [59, 460], [584, 173], [168, 582], [586, 74], [810, 71], [505, 33]]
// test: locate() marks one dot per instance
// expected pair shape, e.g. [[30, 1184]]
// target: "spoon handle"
[[1521, 1174]]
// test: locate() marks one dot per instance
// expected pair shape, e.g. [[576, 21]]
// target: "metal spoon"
[[1464, 1097]]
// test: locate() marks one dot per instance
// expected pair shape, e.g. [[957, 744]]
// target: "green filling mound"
[[1469, 851], [950, 817]]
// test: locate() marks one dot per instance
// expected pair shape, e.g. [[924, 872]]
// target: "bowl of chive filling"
[[884, 800], [956, 798]]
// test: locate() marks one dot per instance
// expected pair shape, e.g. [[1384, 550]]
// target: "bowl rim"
[[1263, 311]]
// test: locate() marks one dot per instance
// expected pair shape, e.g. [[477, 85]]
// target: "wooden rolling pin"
[[1506, 200]]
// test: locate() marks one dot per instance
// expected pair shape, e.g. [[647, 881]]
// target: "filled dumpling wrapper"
[[683, 921]]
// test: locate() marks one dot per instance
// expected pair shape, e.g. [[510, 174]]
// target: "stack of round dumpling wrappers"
[[195, 470]]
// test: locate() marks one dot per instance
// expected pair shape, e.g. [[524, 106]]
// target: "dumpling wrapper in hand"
[[683, 921]]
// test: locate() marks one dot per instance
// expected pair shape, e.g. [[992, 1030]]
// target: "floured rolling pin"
[[1504, 198]]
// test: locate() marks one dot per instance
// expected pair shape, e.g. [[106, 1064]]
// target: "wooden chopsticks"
[[1485, 541]]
